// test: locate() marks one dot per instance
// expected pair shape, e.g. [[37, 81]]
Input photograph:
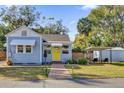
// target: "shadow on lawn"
[[118, 64], [82, 80], [33, 74]]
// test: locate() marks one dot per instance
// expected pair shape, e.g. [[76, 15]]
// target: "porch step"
[[56, 62]]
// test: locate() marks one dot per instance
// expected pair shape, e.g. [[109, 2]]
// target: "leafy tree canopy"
[[106, 27]]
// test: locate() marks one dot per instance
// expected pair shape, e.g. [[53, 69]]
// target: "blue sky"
[[70, 14]]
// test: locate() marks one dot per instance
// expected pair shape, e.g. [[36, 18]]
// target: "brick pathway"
[[59, 72]]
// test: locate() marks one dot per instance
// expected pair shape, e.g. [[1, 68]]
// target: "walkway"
[[59, 72], [2, 63]]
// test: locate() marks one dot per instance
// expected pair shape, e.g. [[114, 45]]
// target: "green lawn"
[[114, 70], [23, 73]]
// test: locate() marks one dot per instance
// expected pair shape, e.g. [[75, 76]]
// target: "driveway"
[[86, 83]]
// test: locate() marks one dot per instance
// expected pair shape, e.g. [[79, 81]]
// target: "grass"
[[24, 73], [97, 71]]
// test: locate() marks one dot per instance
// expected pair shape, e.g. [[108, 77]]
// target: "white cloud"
[[89, 7]]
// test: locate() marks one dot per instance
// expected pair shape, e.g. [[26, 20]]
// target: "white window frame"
[[24, 49], [31, 49], [17, 49]]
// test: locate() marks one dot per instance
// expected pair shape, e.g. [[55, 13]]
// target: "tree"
[[84, 26], [107, 27], [56, 28], [3, 31], [53, 27], [110, 25], [80, 42], [16, 16]]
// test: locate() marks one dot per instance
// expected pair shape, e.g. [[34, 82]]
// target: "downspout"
[[7, 49], [111, 55], [40, 51]]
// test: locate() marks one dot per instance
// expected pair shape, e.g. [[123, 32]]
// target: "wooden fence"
[[2, 55], [77, 55]]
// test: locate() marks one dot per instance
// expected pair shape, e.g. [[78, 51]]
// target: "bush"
[[76, 50], [69, 61], [82, 61], [9, 63]]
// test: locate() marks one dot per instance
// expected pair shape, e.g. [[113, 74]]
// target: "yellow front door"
[[55, 53]]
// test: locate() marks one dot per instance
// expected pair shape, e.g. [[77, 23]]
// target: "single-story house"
[[25, 46]]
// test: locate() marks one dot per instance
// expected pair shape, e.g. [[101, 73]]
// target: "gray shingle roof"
[[55, 37]]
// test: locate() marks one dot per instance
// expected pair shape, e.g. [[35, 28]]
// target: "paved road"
[[103, 83]]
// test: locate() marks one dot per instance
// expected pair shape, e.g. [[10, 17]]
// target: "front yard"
[[96, 71], [24, 73]]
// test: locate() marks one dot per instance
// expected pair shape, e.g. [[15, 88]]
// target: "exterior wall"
[[78, 55], [63, 57], [25, 58], [117, 55], [105, 54], [17, 32]]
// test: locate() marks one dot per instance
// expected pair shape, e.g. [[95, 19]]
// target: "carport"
[[90, 51]]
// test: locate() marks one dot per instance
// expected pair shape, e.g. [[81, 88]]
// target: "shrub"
[[9, 62], [75, 61], [69, 61], [82, 61], [76, 50]]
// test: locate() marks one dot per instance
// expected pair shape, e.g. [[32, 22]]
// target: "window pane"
[[48, 51], [65, 46], [20, 49], [65, 51], [28, 49]]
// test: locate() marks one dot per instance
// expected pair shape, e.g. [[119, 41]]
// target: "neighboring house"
[[115, 54], [28, 47]]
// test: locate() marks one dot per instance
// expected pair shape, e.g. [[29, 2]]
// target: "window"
[[28, 49], [65, 46], [49, 51], [24, 33], [20, 49], [65, 51], [24, 49]]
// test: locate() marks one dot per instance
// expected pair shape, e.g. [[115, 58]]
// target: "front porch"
[[56, 52]]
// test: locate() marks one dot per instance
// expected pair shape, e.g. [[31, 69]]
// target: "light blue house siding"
[[34, 57], [63, 57]]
